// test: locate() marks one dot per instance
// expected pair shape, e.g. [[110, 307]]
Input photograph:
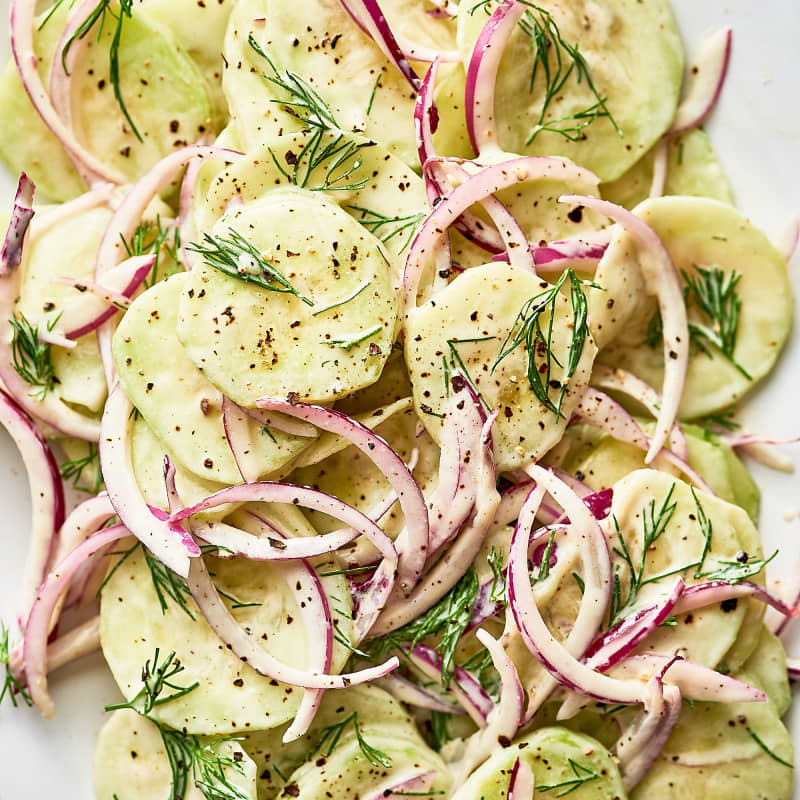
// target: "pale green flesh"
[[710, 234], [484, 302], [635, 57], [390, 188], [178, 402], [693, 169], [548, 752], [231, 697], [252, 343], [131, 763], [163, 91]]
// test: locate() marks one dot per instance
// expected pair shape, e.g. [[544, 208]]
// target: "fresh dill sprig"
[[498, 590], [74, 469], [337, 303], [304, 102], [714, 423], [350, 342], [338, 161], [239, 258], [735, 571], [167, 585], [386, 228], [482, 667], [707, 529], [537, 340], [581, 775], [11, 686], [760, 742], [156, 678], [150, 237], [236, 603], [448, 619], [714, 293], [330, 736], [30, 357], [97, 16], [654, 334], [581, 585], [544, 565], [189, 756], [439, 735], [654, 523]]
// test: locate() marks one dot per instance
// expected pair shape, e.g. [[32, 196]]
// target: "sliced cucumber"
[[483, 304], [163, 91], [251, 342], [231, 697], [388, 198], [361, 89], [178, 402], [635, 57], [698, 231], [705, 635], [557, 756], [68, 249], [693, 169], [131, 763]]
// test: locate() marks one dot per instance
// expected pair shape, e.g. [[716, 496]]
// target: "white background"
[[756, 131]]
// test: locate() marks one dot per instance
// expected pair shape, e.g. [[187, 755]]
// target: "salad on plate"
[[375, 367]]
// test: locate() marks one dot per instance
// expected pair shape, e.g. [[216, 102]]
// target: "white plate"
[[755, 129]]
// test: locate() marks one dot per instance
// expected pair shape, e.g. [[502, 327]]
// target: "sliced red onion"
[[522, 783], [371, 597], [660, 165], [47, 496], [412, 543], [47, 408], [488, 181], [485, 606], [368, 16], [416, 784], [511, 502], [695, 681], [712, 592], [706, 80], [282, 423], [102, 301], [255, 548], [762, 449], [600, 410], [469, 694], [37, 628], [237, 431], [170, 547], [461, 553], [88, 166], [621, 640], [128, 215], [412, 694], [558, 658], [21, 216], [479, 94], [558, 256], [793, 667], [627, 383], [789, 240], [53, 337], [187, 230], [503, 722], [643, 740], [662, 280], [248, 650]]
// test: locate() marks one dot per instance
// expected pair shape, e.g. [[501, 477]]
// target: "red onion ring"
[[705, 81], [663, 281], [237, 431], [47, 496], [469, 694], [54, 215], [21, 216], [282, 423], [412, 543], [484, 63], [790, 240], [660, 165], [416, 784], [489, 180], [503, 722], [187, 230], [521, 786], [411, 694], [710, 593], [89, 167], [557, 256], [37, 628]]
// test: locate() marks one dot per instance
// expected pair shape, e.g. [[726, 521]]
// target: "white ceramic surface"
[[755, 129]]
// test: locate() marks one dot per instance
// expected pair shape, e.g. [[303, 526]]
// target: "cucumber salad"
[[375, 366]]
